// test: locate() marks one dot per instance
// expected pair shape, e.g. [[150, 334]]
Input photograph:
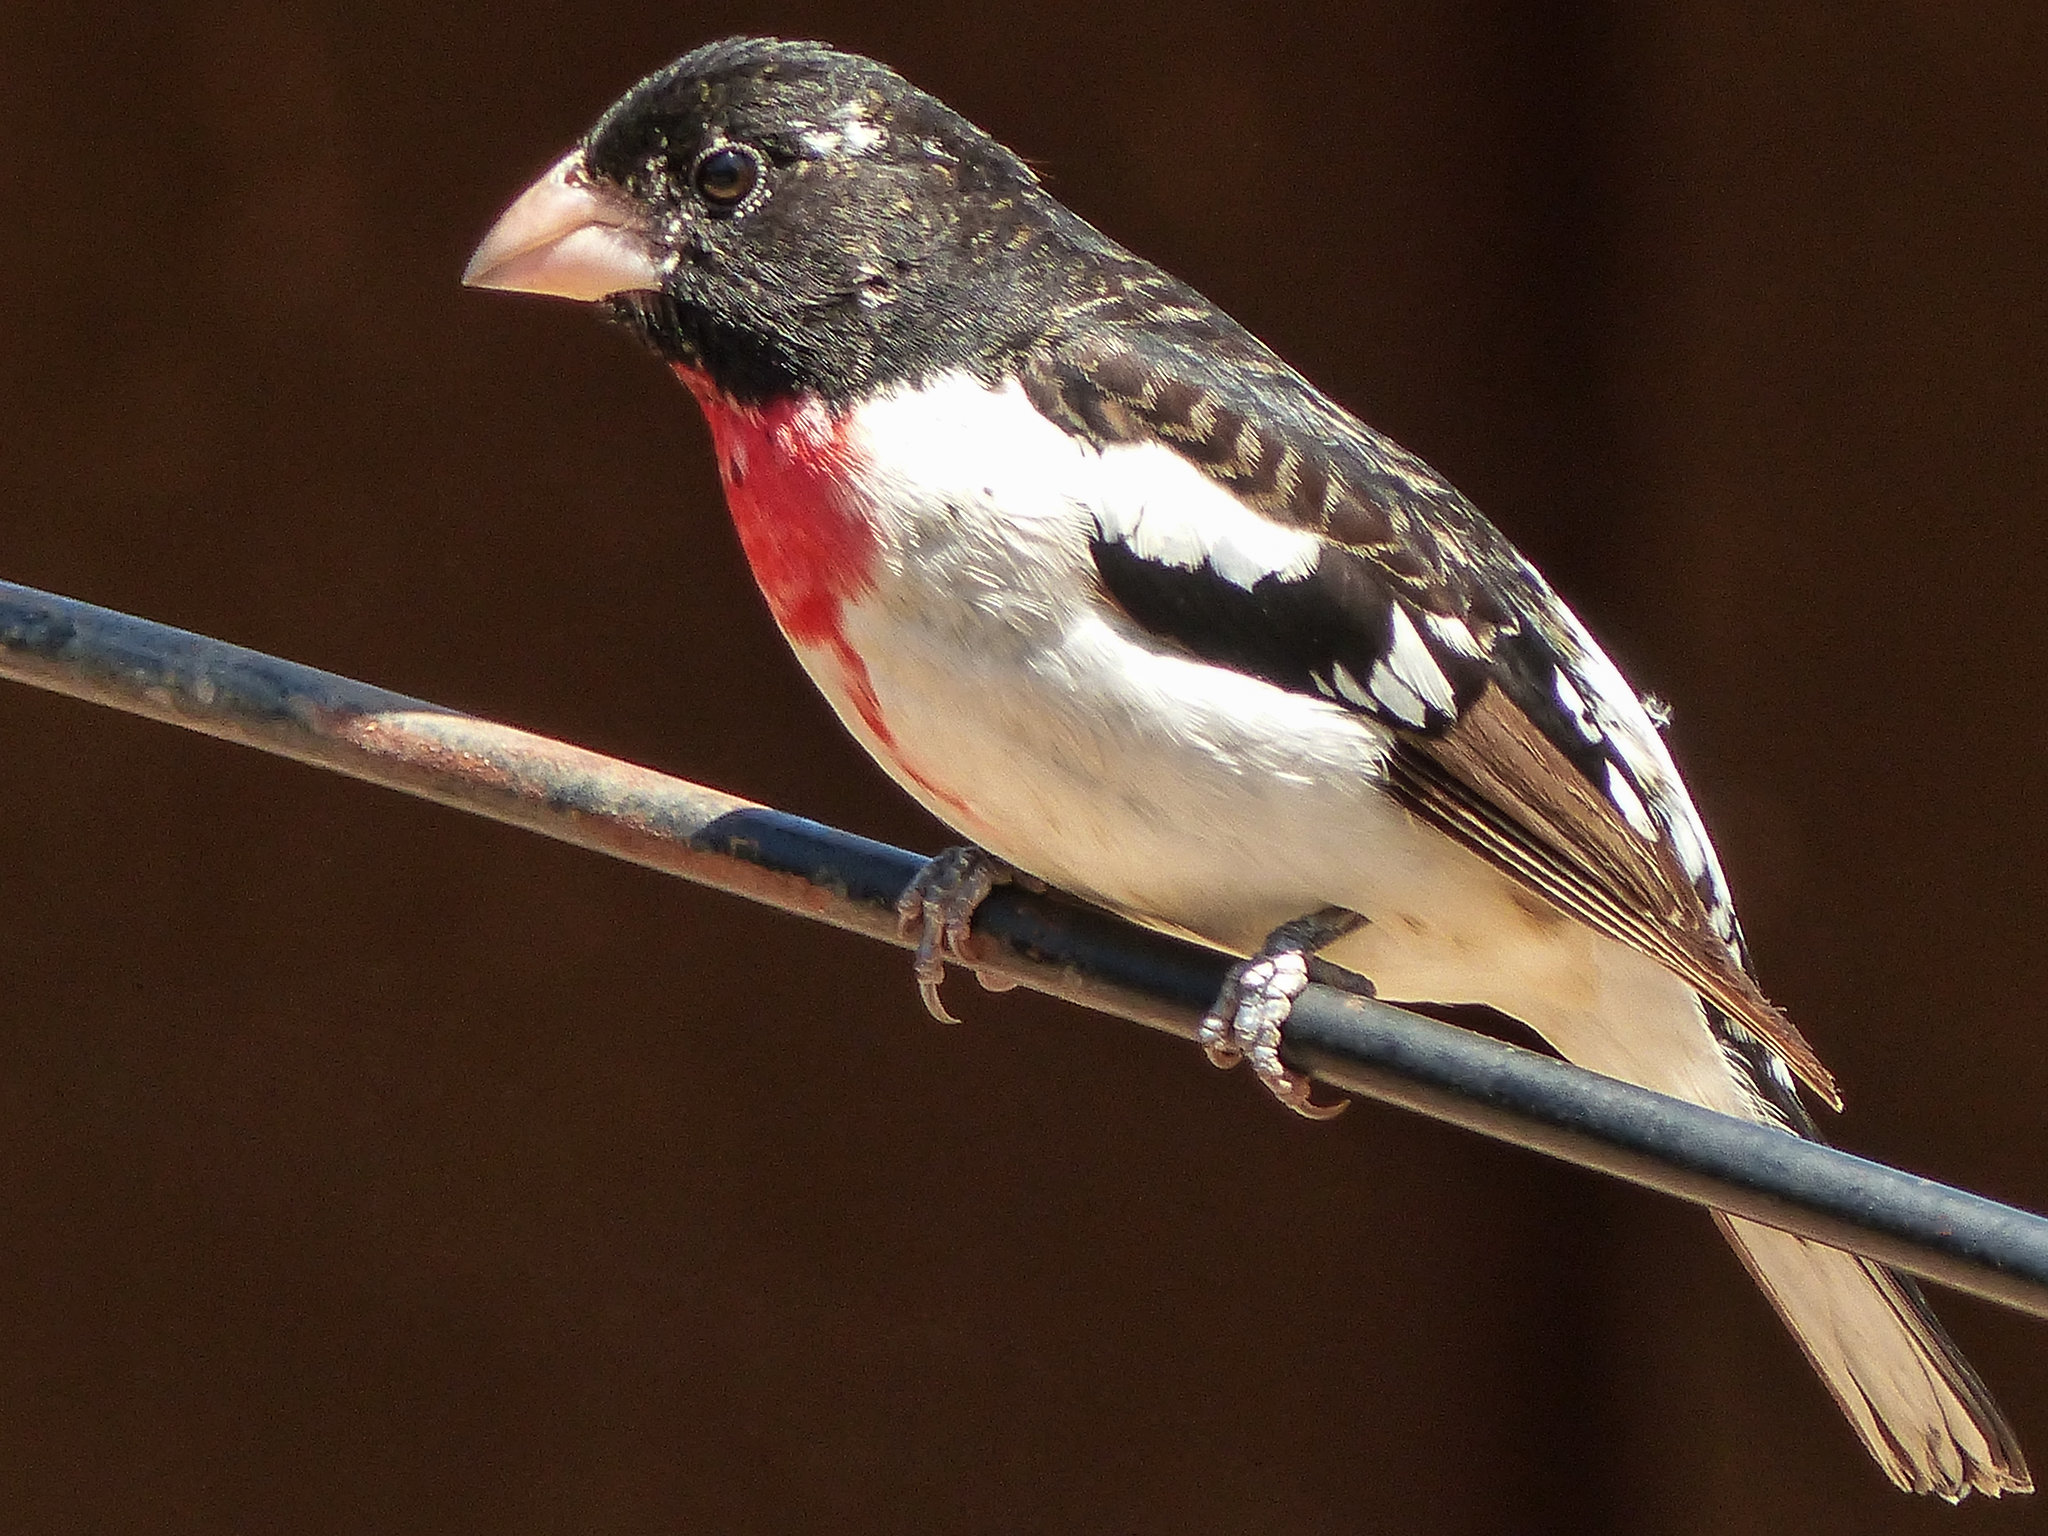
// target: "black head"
[[814, 221]]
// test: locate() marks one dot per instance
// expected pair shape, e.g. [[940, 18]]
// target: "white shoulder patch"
[[955, 440], [1165, 509]]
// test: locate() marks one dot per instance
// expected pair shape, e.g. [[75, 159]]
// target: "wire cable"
[[1046, 942]]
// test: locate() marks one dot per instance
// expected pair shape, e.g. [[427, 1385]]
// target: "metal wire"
[[1041, 941]]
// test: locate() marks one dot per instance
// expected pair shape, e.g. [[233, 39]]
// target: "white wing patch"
[[1721, 917], [1575, 706], [1630, 804], [1408, 682], [1397, 698], [1416, 668], [1454, 634], [1614, 705], [1643, 785], [1689, 843], [1352, 691]]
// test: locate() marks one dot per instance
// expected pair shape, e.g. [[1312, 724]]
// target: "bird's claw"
[[1244, 1025], [938, 906], [1245, 1022]]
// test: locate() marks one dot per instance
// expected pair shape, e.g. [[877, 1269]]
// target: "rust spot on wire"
[[599, 803], [1060, 947]]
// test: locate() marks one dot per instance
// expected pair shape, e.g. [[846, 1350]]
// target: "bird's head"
[[783, 216]]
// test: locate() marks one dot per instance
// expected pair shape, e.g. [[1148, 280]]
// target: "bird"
[[1145, 616]]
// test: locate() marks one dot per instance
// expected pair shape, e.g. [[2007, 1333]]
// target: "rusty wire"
[[1045, 942]]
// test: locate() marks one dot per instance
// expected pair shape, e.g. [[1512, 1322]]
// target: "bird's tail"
[[1905, 1387]]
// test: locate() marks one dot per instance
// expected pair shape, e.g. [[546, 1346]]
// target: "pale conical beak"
[[567, 237]]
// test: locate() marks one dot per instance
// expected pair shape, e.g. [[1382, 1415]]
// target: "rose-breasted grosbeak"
[[1118, 594]]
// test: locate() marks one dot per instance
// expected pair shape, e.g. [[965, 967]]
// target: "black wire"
[[1043, 941]]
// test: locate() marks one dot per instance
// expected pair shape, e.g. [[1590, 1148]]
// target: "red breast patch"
[[785, 466]]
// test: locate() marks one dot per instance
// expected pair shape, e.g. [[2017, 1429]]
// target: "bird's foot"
[[938, 906], [1259, 993]]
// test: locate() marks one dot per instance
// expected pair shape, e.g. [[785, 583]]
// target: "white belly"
[[1019, 706]]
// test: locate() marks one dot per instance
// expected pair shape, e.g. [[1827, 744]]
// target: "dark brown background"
[[364, 1167]]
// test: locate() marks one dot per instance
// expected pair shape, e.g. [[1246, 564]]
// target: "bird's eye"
[[725, 175]]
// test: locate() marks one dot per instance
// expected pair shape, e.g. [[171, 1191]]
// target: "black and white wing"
[[1513, 733]]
